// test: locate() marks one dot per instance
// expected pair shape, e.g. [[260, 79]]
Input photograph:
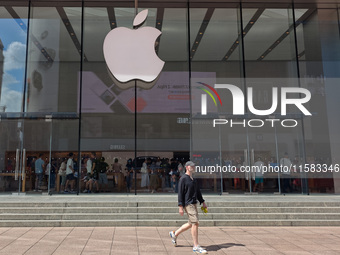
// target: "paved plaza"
[[155, 240]]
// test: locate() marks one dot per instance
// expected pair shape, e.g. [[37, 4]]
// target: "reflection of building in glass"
[[1, 64]]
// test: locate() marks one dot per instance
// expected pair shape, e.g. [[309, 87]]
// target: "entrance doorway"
[[31, 137]]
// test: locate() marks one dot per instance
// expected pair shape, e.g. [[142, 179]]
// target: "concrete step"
[[247, 204], [167, 210], [169, 204], [160, 213], [163, 223], [69, 204], [172, 216]]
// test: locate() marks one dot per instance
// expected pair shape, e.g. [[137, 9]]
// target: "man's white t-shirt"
[[89, 166], [69, 166]]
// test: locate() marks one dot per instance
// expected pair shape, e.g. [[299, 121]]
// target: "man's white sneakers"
[[173, 238], [199, 250]]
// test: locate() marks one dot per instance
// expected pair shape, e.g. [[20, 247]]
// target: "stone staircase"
[[159, 213]]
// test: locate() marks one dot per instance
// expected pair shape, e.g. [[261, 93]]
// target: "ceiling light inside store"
[[205, 22], [64, 18]]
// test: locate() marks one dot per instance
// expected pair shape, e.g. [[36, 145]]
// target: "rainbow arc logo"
[[204, 97]]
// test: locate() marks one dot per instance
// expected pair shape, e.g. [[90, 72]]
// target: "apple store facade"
[[58, 96]]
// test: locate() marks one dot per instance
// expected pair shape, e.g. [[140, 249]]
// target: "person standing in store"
[[117, 169], [286, 165], [153, 177], [129, 174], [32, 171], [70, 179], [50, 173], [39, 172], [258, 175], [103, 182], [166, 170], [145, 180], [62, 173], [88, 177], [174, 175], [188, 194]]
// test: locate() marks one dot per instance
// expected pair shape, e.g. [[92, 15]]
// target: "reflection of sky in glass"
[[13, 37]]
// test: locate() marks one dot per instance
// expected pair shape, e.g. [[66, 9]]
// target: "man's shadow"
[[217, 247]]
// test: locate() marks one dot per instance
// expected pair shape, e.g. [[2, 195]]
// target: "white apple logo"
[[130, 53]]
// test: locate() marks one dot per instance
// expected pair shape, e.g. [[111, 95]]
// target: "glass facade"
[[58, 97]]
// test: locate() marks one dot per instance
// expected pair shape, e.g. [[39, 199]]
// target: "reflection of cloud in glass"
[[15, 56], [9, 80], [9, 98]]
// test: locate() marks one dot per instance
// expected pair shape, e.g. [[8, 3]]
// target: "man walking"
[[188, 194]]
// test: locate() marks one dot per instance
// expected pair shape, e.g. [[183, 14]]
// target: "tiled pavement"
[[155, 240]]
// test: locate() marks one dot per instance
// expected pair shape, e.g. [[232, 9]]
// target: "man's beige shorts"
[[192, 213]]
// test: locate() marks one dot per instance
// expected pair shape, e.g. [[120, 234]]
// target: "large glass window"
[[257, 56], [163, 118], [216, 58], [13, 37], [319, 55], [108, 107], [54, 50], [55, 85]]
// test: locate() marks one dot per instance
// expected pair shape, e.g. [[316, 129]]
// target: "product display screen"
[[170, 94]]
